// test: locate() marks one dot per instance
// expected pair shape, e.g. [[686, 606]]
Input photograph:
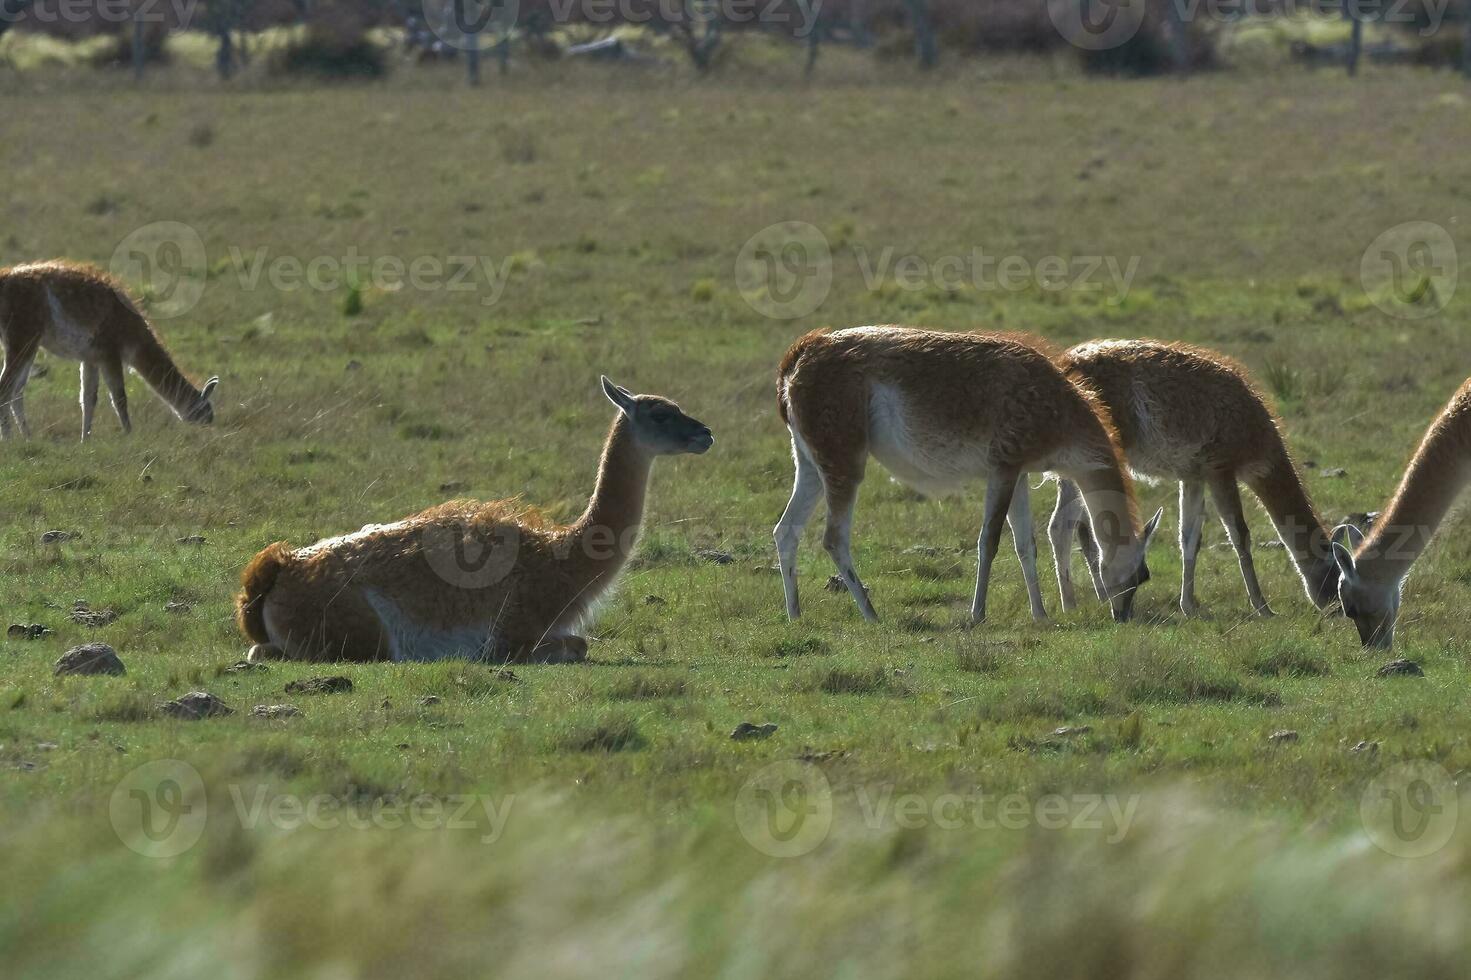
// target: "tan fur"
[[80, 313], [344, 599], [1372, 577], [1193, 415], [970, 405]]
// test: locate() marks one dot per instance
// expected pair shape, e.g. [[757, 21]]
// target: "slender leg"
[[1192, 521], [788, 533], [560, 650], [1000, 488], [1227, 499], [1024, 537], [18, 403], [1091, 555], [841, 498], [1060, 529], [12, 384], [89, 398], [112, 376]]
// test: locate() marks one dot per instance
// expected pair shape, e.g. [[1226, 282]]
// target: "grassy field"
[[597, 819]]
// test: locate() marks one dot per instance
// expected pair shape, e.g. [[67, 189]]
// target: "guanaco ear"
[[1344, 558], [1152, 526], [621, 397], [1348, 535], [209, 388]]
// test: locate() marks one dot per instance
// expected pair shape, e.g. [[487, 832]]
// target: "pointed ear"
[[1348, 535], [621, 397], [1345, 560], [1152, 526], [209, 388]]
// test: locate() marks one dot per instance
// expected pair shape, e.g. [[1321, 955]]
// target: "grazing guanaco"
[[1372, 569], [939, 410], [467, 580], [79, 312], [1193, 415]]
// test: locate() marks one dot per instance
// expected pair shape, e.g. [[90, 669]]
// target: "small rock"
[[195, 539], [1068, 730], [24, 631], [354, 366], [57, 537], [194, 706], [1332, 472], [927, 550], [46, 746], [1400, 668], [747, 732], [835, 584], [452, 486], [1271, 544], [246, 667], [274, 711], [83, 615], [428, 701], [320, 685], [654, 600], [715, 557], [90, 658], [1286, 735], [179, 608], [1369, 747]]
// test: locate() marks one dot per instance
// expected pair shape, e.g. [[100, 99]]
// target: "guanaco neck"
[[152, 362], [604, 536], [1112, 513], [1298, 525], [1436, 475]]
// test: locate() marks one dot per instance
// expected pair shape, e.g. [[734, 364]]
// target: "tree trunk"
[[139, 54], [925, 48], [1355, 45], [225, 55]]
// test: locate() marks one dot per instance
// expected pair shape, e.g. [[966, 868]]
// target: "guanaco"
[[1193, 415], [939, 410], [1372, 569], [467, 580], [79, 312]]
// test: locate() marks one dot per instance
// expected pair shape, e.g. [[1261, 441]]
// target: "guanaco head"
[[658, 424], [1128, 570], [1372, 605], [202, 412]]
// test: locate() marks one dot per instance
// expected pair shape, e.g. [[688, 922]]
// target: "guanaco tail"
[[939, 410], [79, 312], [1372, 569], [1192, 415], [467, 580]]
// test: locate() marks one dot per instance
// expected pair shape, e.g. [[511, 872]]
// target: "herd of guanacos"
[[495, 581]]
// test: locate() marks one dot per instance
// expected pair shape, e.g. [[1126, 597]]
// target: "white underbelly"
[[64, 337], [935, 463], [415, 642]]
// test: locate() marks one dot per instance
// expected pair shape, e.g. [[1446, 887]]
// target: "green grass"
[[618, 235]]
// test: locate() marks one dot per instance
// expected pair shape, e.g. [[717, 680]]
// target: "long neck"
[[157, 370], [1439, 470], [1109, 498], [607, 531], [1298, 525]]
